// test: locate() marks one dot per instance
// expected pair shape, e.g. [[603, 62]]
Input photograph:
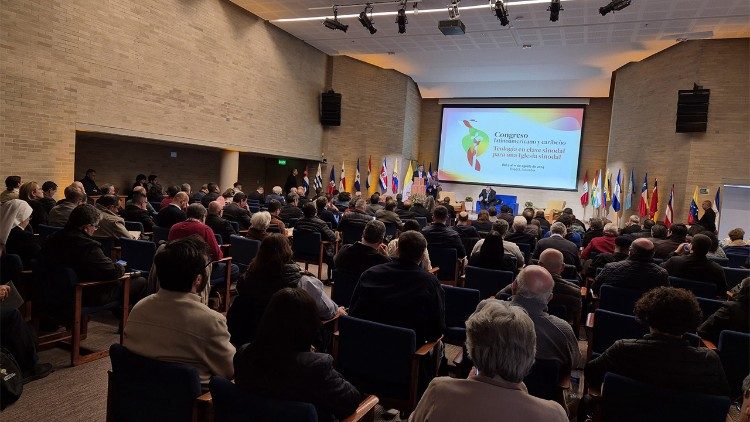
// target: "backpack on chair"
[[11, 379]]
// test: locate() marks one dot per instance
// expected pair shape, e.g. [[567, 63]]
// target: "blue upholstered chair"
[[243, 250], [488, 282], [232, 404], [709, 306], [134, 226], [139, 254], [733, 350], [610, 327], [309, 249], [525, 250], [45, 230], [735, 275], [617, 299], [460, 303], [446, 259], [700, 289], [543, 380], [737, 260], [343, 287], [160, 233]]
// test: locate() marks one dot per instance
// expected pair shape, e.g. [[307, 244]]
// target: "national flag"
[[585, 196], [654, 207], [383, 176], [318, 182], [409, 181], [331, 181], [305, 181], [369, 171], [643, 202], [717, 199], [394, 178], [357, 186], [342, 179], [669, 213], [630, 191], [693, 213], [596, 184], [616, 194], [606, 193]]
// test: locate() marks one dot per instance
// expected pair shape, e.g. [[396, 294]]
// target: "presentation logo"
[[475, 144]]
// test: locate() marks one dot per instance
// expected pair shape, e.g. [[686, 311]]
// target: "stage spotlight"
[[614, 5], [401, 20], [554, 10], [366, 21], [501, 12], [334, 23], [453, 11]]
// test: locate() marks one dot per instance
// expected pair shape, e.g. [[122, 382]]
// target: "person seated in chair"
[[690, 262], [418, 208], [172, 324], [519, 234], [622, 246], [310, 222], [15, 216], [174, 212], [596, 229], [483, 223], [501, 227], [464, 228], [136, 210], [374, 206], [257, 195], [356, 258], [111, 224], [18, 339], [89, 183], [238, 211], [737, 244], [171, 192], [491, 255], [59, 214], [487, 198], [677, 236], [557, 240], [733, 315], [291, 209], [327, 211], [259, 223], [219, 225], [632, 226], [355, 217], [392, 248], [638, 272], [602, 244], [439, 235], [506, 213]]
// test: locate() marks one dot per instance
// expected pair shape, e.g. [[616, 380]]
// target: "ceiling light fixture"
[[367, 21], [614, 5], [453, 11], [334, 23], [554, 10], [452, 26], [401, 18], [501, 12]]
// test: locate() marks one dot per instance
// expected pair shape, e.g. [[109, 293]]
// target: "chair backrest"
[[617, 299], [253, 208], [219, 239], [422, 221], [612, 326], [700, 289], [10, 268], [709, 306], [733, 351], [525, 250], [306, 245], [447, 260], [724, 262], [235, 226], [291, 222], [139, 254], [160, 233], [107, 244], [569, 271], [543, 379], [469, 243], [624, 399], [460, 303], [737, 260], [45, 230], [273, 229], [375, 357], [146, 389], [136, 226], [243, 250], [735, 275], [391, 229], [351, 233], [488, 282], [343, 287], [558, 310], [155, 205], [232, 404]]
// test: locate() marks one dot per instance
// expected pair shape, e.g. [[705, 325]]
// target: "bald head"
[[79, 187], [552, 261], [534, 282], [181, 199], [214, 208], [642, 248]]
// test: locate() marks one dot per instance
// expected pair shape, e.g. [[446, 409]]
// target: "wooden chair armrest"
[[594, 296], [367, 406], [335, 318], [709, 344], [205, 399], [425, 349], [86, 284], [590, 320], [244, 232], [27, 272], [584, 291], [434, 270], [226, 259], [565, 383]]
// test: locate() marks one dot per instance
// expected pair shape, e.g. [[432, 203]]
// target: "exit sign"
[[282, 161]]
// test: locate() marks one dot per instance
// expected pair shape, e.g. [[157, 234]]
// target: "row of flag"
[[602, 193], [383, 182]]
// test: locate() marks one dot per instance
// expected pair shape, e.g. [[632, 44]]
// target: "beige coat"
[[111, 225]]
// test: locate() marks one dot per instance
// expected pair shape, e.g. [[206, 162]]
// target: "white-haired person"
[[602, 244], [276, 193], [259, 223], [501, 341], [519, 234]]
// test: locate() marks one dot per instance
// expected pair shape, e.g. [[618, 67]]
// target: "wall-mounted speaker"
[[692, 109], [330, 109]]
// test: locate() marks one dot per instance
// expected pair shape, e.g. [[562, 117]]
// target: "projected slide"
[[511, 146]]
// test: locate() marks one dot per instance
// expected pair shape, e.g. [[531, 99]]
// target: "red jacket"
[[190, 227], [601, 244]]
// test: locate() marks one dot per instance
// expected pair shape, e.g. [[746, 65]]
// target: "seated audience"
[[49, 189], [733, 315], [596, 229], [557, 240], [275, 195], [374, 206], [32, 194], [194, 224], [638, 272], [737, 243], [715, 251], [708, 219], [543, 222], [259, 223], [418, 208], [17, 338], [142, 191], [226, 197], [171, 192], [110, 224], [404, 210], [174, 212], [327, 212], [12, 183], [185, 187], [274, 208], [570, 234], [577, 224], [388, 214], [172, 324], [663, 358], [291, 209], [534, 228], [141, 180], [501, 342], [58, 215], [491, 255], [137, 210], [281, 363], [15, 215], [154, 191], [492, 212], [518, 233], [357, 257], [89, 183], [446, 202], [532, 291], [501, 227], [219, 225], [402, 293], [310, 222], [645, 230], [440, 236], [198, 196], [690, 262], [107, 189], [483, 223], [464, 228], [602, 244], [257, 195], [214, 193], [632, 226], [237, 186], [238, 211], [506, 213], [355, 217], [622, 246], [392, 248], [677, 234]]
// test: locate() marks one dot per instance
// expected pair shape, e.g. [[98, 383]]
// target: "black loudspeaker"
[[692, 110], [330, 109]]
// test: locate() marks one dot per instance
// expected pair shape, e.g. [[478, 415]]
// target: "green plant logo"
[[475, 144]]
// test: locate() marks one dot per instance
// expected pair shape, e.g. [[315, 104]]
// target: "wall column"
[[229, 169]]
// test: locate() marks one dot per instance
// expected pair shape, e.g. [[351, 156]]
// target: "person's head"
[[678, 232], [139, 200], [374, 198], [501, 226], [374, 233], [552, 261], [568, 211], [185, 187], [421, 167], [204, 188], [501, 340], [622, 244], [274, 252], [72, 194], [260, 221], [634, 220], [215, 208], [181, 200], [239, 198], [91, 174], [260, 190], [610, 229], [534, 282], [440, 214], [669, 310], [390, 205], [196, 211], [12, 182], [172, 191], [309, 210], [294, 172], [84, 217], [141, 179], [700, 245], [596, 223], [152, 178], [566, 219], [237, 186], [535, 222], [301, 191], [463, 218], [321, 203], [292, 199], [659, 231], [108, 189], [411, 246], [695, 229], [714, 240], [648, 224], [49, 189], [289, 325], [642, 249], [15, 212], [519, 224], [539, 214], [78, 185], [359, 205], [212, 187], [181, 265], [108, 202], [139, 189], [528, 214], [274, 207], [30, 191], [558, 228], [706, 205], [492, 212], [492, 247], [446, 200], [399, 197], [276, 190], [736, 234], [228, 195], [506, 209], [412, 225], [483, 216]]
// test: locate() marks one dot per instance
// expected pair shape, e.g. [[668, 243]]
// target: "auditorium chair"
[[446, 259], [391, 229], [700, 289], [60, 294], [351, 232], [724, 262], [219, 239], [11, 269], [709, 306], [144, 389], [608, 327], [274, 229], [469, 243], [134, 226], [243, 250], [225, 281], [235, 225], [45, 231], [737, 260], [735, 275], [384, 360], [139, 254], [526, 251], [460, 303], [544, 381], [422, 221], [160, 233], [343, 287], [733, 350], [309, 249], [617, 299], [488, 282], [291, 222], [626, 400], [253, 208], [155, 205]]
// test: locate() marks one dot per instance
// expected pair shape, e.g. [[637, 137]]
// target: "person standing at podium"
[[419, 173], [487, 198]]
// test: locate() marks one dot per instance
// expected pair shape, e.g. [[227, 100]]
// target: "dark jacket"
[[221, 227], [90, 186], [543, 223], [465, 231], [134, 213], [482, 226], [508, 217], [402, 294], [329, 217], [590, 234], [439, 235], [420, 211], [38, 214], [256, 196], [47, 203], [234, 212], [568, 249], [389, 217], [196, 197], [603, 259], [698, 268], [633, 274], [733, 315], [505, 263], [24, 244], [354, 218], [304, 377], [357, 258], [708, 221], [169, 216], [209, 197], [405, 214], [522, 237], [316, 225], [663, 362], [289, 212], [664, 248], [631, 229], [291, 182]]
